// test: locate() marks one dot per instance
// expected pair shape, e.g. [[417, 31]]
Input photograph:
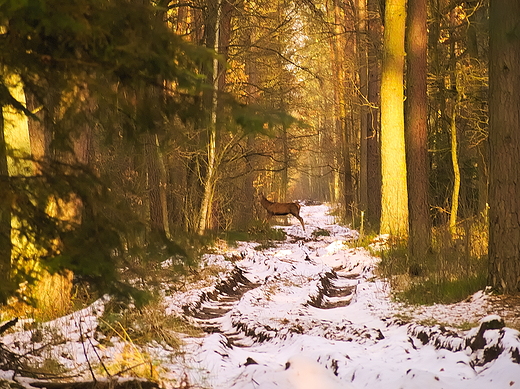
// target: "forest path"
[[309, 313], [290, 291]]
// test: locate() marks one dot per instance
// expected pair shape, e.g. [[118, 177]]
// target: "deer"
[[274, 208]]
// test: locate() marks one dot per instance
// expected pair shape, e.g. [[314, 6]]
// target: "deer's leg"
[[301, 221]]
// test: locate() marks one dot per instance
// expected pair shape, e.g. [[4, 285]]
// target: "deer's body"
[[280, 209]]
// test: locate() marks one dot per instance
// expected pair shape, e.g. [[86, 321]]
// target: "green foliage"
[[94, 66], [260, 120], [260, 230], [93, 245], [123, 38]]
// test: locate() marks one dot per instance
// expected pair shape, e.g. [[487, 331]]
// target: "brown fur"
[[274, 208]]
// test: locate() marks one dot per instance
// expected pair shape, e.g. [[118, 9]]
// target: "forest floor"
[[308, 312]]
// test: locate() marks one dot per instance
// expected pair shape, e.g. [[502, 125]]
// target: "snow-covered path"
[[312, 315], [308, 313]]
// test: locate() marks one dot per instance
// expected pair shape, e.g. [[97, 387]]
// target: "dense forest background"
[[132, 130]]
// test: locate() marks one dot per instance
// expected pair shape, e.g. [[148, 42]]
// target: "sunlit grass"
[[454, 269]]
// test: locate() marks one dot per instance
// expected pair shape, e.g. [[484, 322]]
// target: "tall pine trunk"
[[394, 198], [504, 140], [416, 130]]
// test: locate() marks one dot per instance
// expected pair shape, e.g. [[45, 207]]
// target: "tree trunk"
[[341, 135], [39, 134], [504, 139], [348, 193], [211, 124], [394, 198], [5, 219], [362, 58], [285, 161], [373, 131], [156, 183], [454, 210], [416, 130]]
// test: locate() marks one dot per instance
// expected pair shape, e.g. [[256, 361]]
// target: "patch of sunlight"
[[16, 129]]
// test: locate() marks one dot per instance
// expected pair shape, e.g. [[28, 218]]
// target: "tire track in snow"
[[311, 307], [270, 275]]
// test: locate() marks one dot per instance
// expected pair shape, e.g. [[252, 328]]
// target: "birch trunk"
[[211, 170]]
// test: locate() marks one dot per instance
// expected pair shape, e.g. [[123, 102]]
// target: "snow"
[[310, 314]]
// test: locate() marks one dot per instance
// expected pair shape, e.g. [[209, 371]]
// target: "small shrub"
[[258, 231], [265, 245], [52, 366], [320, 232]]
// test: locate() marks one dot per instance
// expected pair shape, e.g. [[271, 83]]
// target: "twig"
[[8, 325]]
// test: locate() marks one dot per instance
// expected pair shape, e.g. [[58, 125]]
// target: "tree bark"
[[156, 182], [373, 121], [211, 125], [5, 219], [362, 58], [394, 197], [416, 130], [504, 139]]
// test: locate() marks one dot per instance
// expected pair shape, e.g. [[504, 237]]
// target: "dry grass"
[[455, 269], [48, 299], [146, 324], [53, 296]]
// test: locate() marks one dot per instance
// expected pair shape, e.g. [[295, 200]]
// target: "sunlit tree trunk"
[[285, 167], [454, 209], [14, 137], [504, 139], [394, 198], [211, 176], [211, 127], [416, 130]]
